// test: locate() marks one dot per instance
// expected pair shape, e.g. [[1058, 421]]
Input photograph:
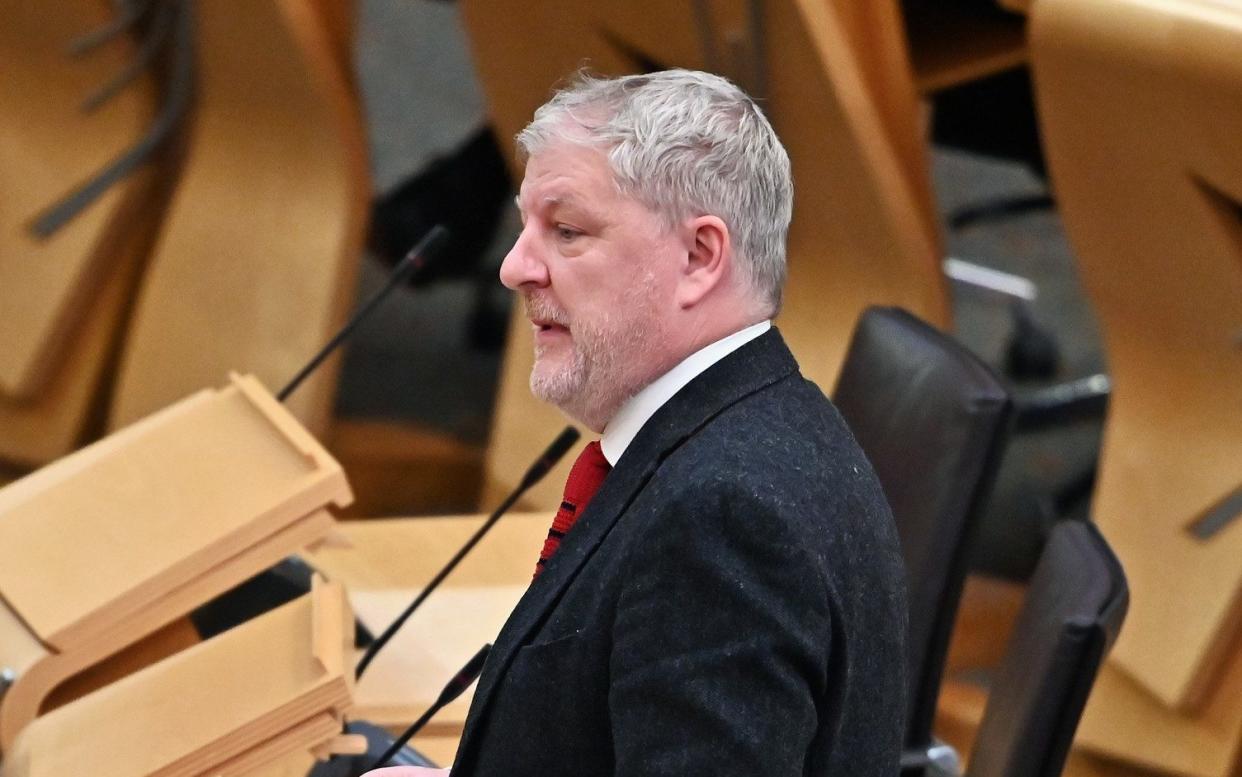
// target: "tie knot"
[[586, 476]]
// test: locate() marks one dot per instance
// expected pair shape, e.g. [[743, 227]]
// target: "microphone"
[[415, 261], [291, 578], [563, 442], [456, 687]]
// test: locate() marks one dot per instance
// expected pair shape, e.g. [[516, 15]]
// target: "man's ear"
[[708, 259]]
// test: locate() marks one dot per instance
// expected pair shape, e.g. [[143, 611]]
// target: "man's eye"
[[566, 233]]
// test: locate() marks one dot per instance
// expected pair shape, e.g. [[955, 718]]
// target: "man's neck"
[[636, 411]]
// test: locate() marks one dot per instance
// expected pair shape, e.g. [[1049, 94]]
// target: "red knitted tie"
[[584, 480]]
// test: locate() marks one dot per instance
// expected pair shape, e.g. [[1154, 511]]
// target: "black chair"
[[933, 420], [1073, 612]]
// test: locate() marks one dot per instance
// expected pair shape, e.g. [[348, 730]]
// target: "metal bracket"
[[7, 678], [1225, 512]]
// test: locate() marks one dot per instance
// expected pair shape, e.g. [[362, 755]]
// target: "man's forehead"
[[550, 195]]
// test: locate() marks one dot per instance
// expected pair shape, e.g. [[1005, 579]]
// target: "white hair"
[[684, 144]]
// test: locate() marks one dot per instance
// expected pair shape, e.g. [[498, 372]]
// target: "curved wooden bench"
[[1141, 105], [254, 268], [62, 299], [862, 232], [47, 147]]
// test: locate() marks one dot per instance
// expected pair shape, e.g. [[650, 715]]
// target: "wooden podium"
[[385, 564], [108, 544], [270, 688]]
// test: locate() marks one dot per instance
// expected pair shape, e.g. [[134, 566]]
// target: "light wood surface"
[[1123, 720], [112, 527], [1141, 105], [255, 266], [48, 147], [401, 469], [388, 564], [860, 232], [270, 687], [169, 640], [52, 423]]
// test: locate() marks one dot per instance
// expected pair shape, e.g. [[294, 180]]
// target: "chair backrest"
[[933, 420], [1073, 611]]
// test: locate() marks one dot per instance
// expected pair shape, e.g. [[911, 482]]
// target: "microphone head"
[[559, 447], [424, 253]]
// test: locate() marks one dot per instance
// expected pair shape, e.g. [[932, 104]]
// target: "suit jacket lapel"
[[754, 366]]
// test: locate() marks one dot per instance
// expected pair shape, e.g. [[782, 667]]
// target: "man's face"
[[597, 271]]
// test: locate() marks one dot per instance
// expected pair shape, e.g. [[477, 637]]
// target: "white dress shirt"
[[624, 426]]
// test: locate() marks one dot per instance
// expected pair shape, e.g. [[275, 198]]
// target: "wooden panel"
[[877, 35], [39, 684], [206, 706], [405, 553], [402, 469], [255, 266], [109, 528], [52, 423], [170, 640], [1142, 110], [388, 564], [1126, 722], [860, 232], [19, 647], [47, 147]]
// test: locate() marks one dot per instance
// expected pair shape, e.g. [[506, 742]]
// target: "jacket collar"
[[751, 368]]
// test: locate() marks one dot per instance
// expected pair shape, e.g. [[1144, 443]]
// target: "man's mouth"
[[548, 325]]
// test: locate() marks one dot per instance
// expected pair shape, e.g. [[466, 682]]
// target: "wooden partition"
[[255, 265], [1141, 111], [861, 232], [113, 542], [272, 687], [385, 565], [48, 147]]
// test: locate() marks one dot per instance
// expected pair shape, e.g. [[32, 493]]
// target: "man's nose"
[[522, 265]]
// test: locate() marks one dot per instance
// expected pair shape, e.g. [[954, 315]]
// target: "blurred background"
[[189, 189]]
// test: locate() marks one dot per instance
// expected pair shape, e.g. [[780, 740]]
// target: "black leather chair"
[[933, 420], [1073, 612]]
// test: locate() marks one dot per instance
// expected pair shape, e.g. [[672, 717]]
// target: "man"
[[730, 600]]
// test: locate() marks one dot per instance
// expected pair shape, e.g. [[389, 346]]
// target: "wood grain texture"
[[388, 563], [110, 528], [255, 266], [50, 676], [1142, 111], [48, 147], [861, 232], [404, 469], [257, 692], [55, 420]]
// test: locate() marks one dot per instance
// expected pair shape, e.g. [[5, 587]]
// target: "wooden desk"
[[387, 566]]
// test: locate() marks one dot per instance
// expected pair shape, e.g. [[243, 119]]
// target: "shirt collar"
[[625, 425]]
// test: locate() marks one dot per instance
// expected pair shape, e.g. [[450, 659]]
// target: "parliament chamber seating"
[[1072, 614], [933, 421]]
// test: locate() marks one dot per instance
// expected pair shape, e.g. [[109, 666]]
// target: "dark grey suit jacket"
[[731, 603]]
